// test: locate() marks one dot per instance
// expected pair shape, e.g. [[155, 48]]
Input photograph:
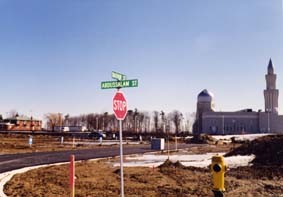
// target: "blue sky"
[[54, 54]]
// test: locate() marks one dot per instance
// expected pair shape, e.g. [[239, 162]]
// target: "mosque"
[[243, 121]]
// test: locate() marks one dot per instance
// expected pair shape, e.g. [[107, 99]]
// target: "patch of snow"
[[196, 160], [239, 160], [242, 137], [104, 143]]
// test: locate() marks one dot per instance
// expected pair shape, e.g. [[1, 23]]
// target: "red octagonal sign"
[[119, 106]]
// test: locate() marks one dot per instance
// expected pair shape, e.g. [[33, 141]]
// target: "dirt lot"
[[268, 150], [11, 144], [100, 178]]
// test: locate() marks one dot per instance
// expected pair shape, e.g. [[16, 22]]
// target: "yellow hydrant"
[[218, 169]]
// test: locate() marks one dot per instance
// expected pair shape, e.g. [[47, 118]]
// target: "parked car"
[[96, 135]]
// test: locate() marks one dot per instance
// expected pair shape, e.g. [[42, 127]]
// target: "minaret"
[[271, 93], [205, 103]]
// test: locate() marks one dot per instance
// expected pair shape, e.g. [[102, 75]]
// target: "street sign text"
[[119, 84], [118, 76]]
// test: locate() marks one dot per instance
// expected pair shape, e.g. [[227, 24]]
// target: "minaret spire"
[[270, 69], [271, 93]]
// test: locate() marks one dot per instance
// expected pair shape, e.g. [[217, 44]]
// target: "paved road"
[[17, 161]]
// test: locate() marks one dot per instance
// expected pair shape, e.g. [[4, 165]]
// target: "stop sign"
[[119, 106]]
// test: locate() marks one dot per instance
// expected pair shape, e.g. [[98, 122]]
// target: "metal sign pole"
[[121, 160], [120, 109]]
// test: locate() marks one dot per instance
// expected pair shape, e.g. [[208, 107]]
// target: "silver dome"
[[205, 96]]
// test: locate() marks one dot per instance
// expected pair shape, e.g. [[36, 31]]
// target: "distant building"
[[21, 123], [242, 121]]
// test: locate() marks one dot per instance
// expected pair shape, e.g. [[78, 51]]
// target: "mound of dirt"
[[268, 150], [202, 139], [168, 164], [257, 172]]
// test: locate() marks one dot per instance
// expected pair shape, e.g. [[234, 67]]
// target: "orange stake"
[[72, 175]]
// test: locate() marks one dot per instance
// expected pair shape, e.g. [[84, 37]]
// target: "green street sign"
[[119, 84], [118, 76]]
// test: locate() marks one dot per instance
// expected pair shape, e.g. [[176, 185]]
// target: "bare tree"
[[156, 120], [12, 113], [74, 121], [113, 124], [190, 119], [141, 118], [128, 123], [104, 121], [66, 120], [96, 121], [83, 120], [90, 121], [135, 119], [163, 119], [145, 122], [53, 119], [176, 117]]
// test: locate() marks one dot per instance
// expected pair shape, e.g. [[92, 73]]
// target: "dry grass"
[[11, 144]]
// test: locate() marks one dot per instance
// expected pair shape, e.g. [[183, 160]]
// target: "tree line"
[[135, 121]]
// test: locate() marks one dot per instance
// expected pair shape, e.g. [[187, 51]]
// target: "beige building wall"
[[230, 122], [279, 124], [268, 122]]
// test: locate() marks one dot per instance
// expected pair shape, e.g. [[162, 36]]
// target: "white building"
[[70, 128], [243, 121]]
